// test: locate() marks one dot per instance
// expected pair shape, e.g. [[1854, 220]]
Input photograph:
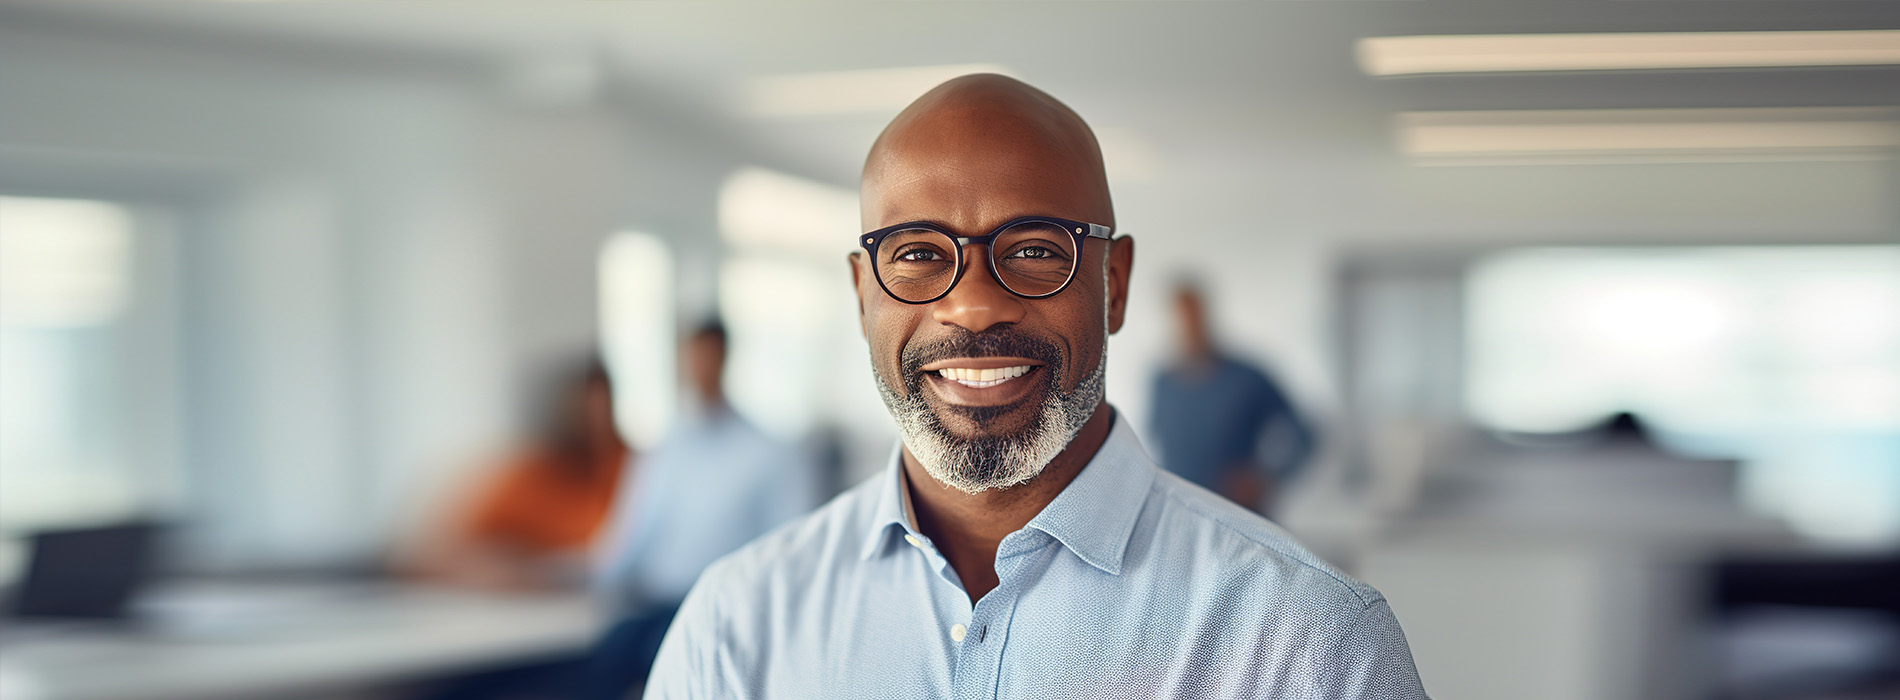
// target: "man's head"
[[1191, 314], [580, 417], [704, 355], [988, 386]]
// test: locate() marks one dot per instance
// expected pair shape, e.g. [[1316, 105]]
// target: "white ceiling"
[[1230, 108]]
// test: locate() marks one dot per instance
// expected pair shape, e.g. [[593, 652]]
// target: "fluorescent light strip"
[[852, 91], [1649, 135], [1499, 53]]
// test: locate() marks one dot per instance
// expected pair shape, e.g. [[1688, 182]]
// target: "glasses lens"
[[1034, 258], [917, 264]]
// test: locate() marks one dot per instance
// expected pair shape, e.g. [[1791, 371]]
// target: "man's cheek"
[[887, 353]]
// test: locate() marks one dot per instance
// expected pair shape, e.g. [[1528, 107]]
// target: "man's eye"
[[1035, 252], [919, 255]]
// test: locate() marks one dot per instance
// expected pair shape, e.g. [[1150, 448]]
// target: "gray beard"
[[992, 462]]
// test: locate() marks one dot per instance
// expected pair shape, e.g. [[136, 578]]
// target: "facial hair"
[[990, 461]]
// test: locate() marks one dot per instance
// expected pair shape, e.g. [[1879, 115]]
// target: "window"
[[85, 433], [1787, 358], [783, 295], [797, 366], [637, 337]]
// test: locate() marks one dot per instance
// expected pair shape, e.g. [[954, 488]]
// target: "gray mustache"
[[1003, 341]]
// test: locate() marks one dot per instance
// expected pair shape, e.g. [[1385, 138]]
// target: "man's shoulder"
[[1243, 369], [1252, 547]]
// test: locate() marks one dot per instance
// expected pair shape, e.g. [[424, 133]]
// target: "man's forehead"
[[981, 147]]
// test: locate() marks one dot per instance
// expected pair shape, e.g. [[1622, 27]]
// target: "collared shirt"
[[715, 483], [1212, 419], [1132, 583]]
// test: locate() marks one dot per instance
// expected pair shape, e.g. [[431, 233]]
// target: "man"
[[712, 485], [1222, 423], [1021, 544]]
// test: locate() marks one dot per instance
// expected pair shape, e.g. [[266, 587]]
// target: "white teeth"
[[979, 378]]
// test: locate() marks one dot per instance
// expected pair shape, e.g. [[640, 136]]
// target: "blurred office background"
[[280, 274]]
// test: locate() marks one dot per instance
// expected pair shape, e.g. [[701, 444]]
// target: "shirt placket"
[[979, 650], [954, 616]]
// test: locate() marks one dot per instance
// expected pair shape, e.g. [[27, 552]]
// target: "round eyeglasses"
[[1033, 257]]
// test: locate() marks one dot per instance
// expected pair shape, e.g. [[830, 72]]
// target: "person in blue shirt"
[[1222, 423], [1019, 543], [714, 483]]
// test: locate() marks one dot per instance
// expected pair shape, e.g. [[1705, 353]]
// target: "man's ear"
[[857, 287], [1121, 261]]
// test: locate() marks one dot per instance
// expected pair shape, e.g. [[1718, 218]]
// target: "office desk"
[[301, 645], [1573, 577]]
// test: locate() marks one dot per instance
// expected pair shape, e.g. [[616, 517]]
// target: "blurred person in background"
[[1223, 423], [532, 523], [1019, 542], [715, 483]]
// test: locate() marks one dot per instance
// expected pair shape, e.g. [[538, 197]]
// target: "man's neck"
[[968, 527]]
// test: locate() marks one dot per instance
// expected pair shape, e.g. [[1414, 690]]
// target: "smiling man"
[[1021, 543]]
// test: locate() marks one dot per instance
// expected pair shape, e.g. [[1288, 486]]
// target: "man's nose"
[[978, 302]]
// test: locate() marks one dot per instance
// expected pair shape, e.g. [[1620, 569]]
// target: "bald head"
[[980, 147], [965, 160]]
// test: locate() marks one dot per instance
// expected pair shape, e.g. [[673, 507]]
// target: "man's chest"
[[1046, 640]]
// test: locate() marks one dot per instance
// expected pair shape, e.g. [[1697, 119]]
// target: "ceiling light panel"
[[1649, 135], [1497, 53]]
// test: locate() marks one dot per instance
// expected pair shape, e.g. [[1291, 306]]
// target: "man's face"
[[988, 386], [1192, 319], [705, 364]]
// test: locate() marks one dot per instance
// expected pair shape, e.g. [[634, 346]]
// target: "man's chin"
[[994, 422]]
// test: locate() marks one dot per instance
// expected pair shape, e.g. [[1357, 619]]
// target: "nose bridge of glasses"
[[976, 263], [978, 299]]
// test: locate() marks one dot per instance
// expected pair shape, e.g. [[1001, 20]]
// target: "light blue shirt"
[[712, 485], [1132, 583]]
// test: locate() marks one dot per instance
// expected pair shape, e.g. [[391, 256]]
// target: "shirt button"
[[914, 542], [957, 631]]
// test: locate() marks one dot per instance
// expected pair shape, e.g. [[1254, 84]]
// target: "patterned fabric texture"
[[1132, 583]]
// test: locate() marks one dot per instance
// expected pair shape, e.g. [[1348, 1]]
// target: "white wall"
[[382, 256]]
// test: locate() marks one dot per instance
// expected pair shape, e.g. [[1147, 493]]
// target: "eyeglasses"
[[1033, 257]]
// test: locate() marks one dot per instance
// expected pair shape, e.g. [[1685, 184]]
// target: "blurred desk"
[[1573, 578], [206, 645]]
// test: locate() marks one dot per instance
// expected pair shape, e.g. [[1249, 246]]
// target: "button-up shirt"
[[1132, 583]]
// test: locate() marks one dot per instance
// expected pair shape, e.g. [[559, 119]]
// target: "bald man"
[[1021, 543]]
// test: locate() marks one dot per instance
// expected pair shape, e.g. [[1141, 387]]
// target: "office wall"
[[384, 246], [381, 255]]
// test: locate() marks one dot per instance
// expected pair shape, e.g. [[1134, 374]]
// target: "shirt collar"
[[893, 505], [1093, 516]]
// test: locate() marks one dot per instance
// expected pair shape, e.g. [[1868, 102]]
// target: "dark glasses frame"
[[1080, 230]]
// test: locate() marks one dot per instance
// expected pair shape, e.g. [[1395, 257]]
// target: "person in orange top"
[[531, 526]]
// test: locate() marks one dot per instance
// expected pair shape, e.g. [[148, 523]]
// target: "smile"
[[983, 381], [982, 378]]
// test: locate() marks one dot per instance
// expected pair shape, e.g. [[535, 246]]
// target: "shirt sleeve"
[[1373, 660]]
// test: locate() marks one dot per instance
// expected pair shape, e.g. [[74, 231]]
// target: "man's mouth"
[[982, 378], [982, 381]]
